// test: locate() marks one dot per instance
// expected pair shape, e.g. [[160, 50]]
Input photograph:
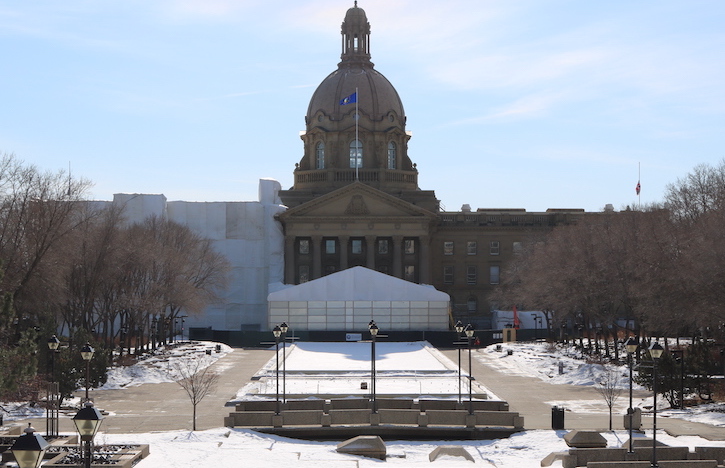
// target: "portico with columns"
[[357, 225]]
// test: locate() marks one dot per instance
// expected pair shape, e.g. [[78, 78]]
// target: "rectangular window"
[[409, 246], [471, 247], [410, 273], [448, 248], [330, 246], [304, 272], [494, 274], [304, 247], [383, 246], [448, 275], [471, 274], [356, 247], [495, 248]]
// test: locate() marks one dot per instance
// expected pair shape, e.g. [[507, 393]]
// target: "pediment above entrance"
[[355, 201]]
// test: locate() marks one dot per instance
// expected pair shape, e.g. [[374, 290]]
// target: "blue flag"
[[351, 99]]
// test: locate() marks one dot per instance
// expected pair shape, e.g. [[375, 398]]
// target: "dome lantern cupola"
[[355, 38]]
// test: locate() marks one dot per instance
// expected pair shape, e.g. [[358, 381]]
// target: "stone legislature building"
[[356, 199], [355, 202]]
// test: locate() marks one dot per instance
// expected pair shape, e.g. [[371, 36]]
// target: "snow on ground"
[[403, 369], [713, 414], [544, 361], [162, 365], [355, 356], [226, 447]]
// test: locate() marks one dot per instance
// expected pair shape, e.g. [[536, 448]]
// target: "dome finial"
[[355, 3]]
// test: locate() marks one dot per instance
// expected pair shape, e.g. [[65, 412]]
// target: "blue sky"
[[512, 104]]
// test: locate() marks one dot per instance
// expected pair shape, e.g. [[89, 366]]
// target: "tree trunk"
[[193, 418], [610, 418]]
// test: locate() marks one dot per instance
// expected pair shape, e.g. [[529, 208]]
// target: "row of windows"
[[303, 271], [356, 155], [494, 274], [382, 246], [494, 247]]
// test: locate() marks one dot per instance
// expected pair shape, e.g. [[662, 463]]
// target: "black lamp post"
[[680, 358], [29, 448], [459, 331], [53, 344], [51, 420], [373, 333], [87, 422], [284, 327], [655, 350], [469, 334], [630, 346], [87, 354], [277, 333]]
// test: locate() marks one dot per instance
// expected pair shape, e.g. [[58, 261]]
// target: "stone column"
[[398, 256], [424, 260], [289, 260], [370, 251], [317, 249], [344, 240]]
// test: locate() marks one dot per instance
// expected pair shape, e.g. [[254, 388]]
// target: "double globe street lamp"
[[469, 330], [51, 422], [88, 419], [277, 332], [283, 328], [655, 351], [459, 331], [630, 346], [373, 334], [87, 422]]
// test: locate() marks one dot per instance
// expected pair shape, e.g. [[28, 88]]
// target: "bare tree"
[[610, 389], [197, 380]]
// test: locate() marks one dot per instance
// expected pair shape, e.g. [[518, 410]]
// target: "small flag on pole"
[[351, 99], [638, 188]]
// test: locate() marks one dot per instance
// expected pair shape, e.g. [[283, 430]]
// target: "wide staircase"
[[337, 419]]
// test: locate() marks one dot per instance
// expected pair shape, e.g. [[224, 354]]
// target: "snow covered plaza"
[[144, 406]]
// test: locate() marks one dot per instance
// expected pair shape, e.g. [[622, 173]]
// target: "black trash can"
[[557, 418]]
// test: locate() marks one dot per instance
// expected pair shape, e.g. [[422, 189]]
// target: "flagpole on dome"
[[358, 160]]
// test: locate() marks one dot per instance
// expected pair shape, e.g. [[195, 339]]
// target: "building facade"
[[355, 202], [356, 199]]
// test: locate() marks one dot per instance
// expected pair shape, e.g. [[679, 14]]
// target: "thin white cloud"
[[527, 107], [206, 10]]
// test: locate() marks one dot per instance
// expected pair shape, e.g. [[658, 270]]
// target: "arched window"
[[356, 154], [392, 155], [320, 156]]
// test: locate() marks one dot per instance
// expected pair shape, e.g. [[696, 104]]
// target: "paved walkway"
[[529, 397], [166, 406], [163, 407]]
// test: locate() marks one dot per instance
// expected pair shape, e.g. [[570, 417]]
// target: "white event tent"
[[349, 299]]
